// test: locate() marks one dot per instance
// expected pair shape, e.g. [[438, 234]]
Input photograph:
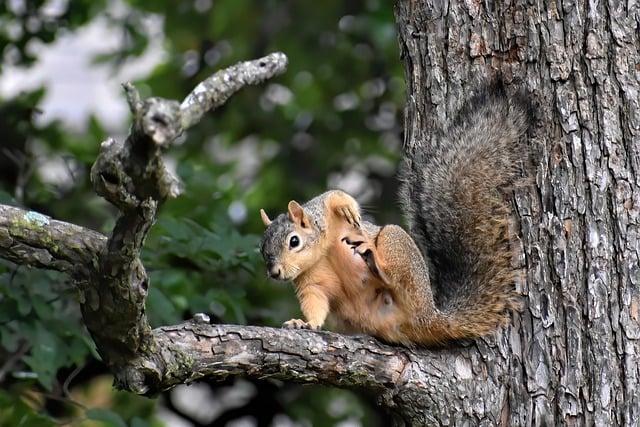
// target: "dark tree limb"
[[194, 350], [403, 379], [419, 386]]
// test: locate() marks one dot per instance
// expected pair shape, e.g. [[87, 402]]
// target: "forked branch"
[[113, 283]]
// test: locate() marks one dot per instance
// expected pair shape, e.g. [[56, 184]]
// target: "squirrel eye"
[[294, 241]]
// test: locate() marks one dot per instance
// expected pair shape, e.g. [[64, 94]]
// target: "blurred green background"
[[332, 121]]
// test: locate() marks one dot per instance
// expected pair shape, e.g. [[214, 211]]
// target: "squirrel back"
[[453, 194]]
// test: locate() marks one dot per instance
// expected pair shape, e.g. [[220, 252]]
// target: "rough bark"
[[33, 239], [573, 354]]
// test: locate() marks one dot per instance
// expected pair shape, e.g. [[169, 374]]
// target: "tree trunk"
[[572, 356]]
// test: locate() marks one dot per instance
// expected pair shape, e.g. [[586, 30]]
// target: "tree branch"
[[193, 350], [132, 176], [113, 283], [214, 91], [420, 385], [30, 238]]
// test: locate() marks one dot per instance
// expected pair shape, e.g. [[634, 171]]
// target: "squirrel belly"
[[358, 301], [365, 303], [306, 247], [451, 275]]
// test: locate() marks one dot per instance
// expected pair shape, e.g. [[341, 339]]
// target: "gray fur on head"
[[273, 237]]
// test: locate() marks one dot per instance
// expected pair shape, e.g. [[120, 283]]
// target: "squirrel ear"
[[265, 218], [297, 214]]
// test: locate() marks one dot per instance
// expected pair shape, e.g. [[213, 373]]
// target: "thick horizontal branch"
[[417, 384], [30, 238], [218, 351], [400, 377]]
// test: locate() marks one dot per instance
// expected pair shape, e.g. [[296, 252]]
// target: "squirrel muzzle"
[[273, 270]]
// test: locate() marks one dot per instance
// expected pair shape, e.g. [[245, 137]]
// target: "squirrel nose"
[[273, 270]]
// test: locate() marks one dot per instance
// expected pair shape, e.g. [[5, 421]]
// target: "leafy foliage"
[[331, 120], [39, 320]]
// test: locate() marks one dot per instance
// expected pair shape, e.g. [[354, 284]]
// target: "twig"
[[216, 90], [71, 377]]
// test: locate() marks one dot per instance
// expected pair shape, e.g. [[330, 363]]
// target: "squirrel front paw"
[[299, 324]]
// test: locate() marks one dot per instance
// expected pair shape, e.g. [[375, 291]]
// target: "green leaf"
[[88, 342], [108, 417], [43, 309], [77, 351], [47, 355], [139, 422], [9, 339]]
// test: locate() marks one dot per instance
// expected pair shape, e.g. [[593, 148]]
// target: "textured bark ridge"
[[572, 356]]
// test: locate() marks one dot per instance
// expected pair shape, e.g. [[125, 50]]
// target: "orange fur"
[[340, 283]]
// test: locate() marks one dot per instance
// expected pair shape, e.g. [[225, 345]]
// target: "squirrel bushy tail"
[[453, 194]]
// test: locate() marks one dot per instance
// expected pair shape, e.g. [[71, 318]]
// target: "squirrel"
[[306, 246], [450, 276]]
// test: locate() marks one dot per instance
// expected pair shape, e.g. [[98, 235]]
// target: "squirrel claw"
[[351, 216], [299, 324], [353, 243], [365, 250]]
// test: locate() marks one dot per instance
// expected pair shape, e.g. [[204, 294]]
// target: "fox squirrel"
[[451, 276]]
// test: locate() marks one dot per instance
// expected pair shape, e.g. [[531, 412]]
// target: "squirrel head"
[[290, 243]]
